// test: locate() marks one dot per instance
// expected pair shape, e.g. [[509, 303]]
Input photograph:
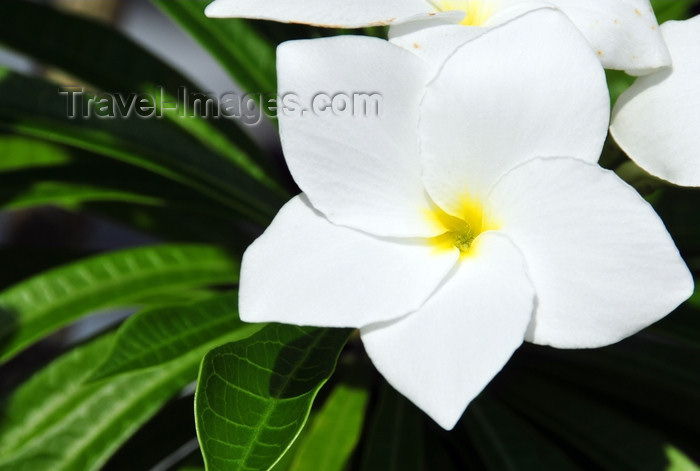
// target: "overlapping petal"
[[443, 355], [624, 33], [434, 44], [436, 38], [657, 120], [305, 270], [527, 89], [360, 171], [331, 13], [601, 260]]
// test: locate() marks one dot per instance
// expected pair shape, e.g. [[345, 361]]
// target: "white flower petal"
[[526, 89], [624, 33], [435, 39], [331, 13], [603, 264], [435, 43], [360, 171], [443, 355], [305, 270], [657, 120]]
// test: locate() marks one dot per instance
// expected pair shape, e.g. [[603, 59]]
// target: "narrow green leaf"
[[334, 432], [68, 196], [248, 57], [110, 61], [19, 152], [666, 372], [679, 461], [34, 107], [34, 172], [254, 396], [164, 334], [55, 422], [395, 441], [166, 223], [607, 437], [507, 443], [40, 305]]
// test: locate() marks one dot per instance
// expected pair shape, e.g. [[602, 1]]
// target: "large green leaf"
[[34, 107], [105, 58], [334, 431], [164, 334], [55, 422], [246, 55], [40, 305], [395, 440], [254, 396]]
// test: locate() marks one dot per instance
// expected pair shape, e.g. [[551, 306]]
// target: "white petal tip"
[[214, 10]]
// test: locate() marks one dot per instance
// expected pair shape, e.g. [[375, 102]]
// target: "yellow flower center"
[[462, 230], [477, 11]]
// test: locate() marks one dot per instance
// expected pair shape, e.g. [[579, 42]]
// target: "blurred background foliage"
[[121, 243]]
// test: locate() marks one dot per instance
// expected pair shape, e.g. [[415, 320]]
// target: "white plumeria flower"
[[624, 33], [455, 226], [657, 120]]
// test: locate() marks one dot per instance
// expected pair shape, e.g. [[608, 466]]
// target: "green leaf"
[[35, 108], [507, 443], [248, 57], [43, 304], [27, 261], [34, 172], [395, 441], [166, 223], [164, 334], [110, 61], [334, 431], [254, 396], [167, 441], [679, 461], [20, 153], [666, 10], [55, 422]]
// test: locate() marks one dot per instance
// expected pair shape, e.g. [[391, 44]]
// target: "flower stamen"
[[477, 12], [459, 231]]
